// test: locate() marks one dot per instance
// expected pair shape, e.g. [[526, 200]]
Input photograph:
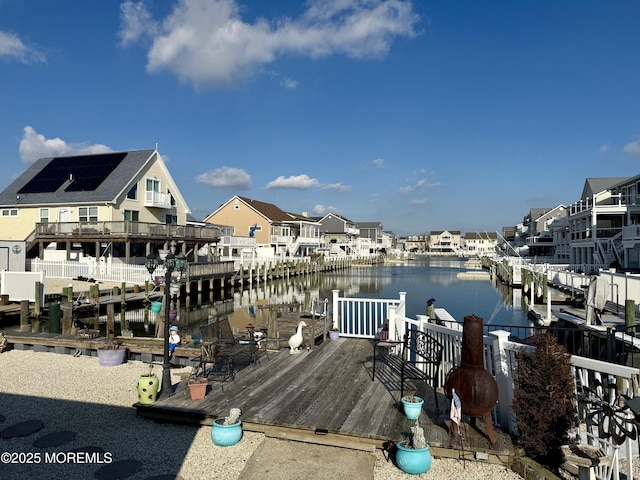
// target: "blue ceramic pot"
[[226, 435], [156, 307], [412, 409], [413, 460]]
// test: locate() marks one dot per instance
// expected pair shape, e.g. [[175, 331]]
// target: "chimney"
[[305, 214]]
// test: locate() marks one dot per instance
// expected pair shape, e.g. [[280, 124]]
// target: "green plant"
[[233, 416], [544, 401]]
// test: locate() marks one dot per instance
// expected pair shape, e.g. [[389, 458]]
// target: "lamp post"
[[171, 263]]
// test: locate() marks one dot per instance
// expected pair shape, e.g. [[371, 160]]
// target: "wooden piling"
[[111, 320], [630, 316], [24, 316]]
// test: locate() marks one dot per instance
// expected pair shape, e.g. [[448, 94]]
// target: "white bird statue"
[[296, 340]]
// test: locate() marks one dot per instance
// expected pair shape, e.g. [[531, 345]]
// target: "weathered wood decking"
[[326, 396]]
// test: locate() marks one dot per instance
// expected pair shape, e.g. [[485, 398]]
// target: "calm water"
[[435, 278], [421, 279]]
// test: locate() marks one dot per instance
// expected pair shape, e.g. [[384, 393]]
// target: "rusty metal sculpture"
[[476, 387]]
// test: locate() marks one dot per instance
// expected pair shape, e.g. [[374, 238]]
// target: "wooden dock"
[[326, 396]]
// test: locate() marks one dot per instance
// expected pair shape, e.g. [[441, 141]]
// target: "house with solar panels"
[[117, 206]]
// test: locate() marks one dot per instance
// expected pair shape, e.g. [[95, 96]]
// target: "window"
[[44, 215], [131, 216], [170, 219], [153, 185], [133, 193], [88, 214], [10, 212]]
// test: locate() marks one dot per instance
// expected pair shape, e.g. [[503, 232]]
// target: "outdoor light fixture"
[[171, 264]]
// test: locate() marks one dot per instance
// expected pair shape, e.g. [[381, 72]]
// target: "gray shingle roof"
[[107, 191]]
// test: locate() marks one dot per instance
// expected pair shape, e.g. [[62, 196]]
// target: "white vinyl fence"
[[611, 381], [101, 271], [21, 285]]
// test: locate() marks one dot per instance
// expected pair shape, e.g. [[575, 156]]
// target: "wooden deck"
[[326, 395]]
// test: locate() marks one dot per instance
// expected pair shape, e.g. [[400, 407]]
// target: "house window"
[[173, 200], [236, 207], [153, 185], [88, 214], [9, 212], [44, 215], [131, 216], [170, 219], [133, 193]]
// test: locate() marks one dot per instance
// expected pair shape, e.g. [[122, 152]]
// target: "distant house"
[[375, 233], [444, 241], [339, 234], [479, 243], [117, 204], [276, 232]]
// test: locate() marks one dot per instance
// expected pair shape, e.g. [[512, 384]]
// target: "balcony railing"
[[125, 228], [157, 199]]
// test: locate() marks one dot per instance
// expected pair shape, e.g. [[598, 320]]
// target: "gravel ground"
[[78, 395]]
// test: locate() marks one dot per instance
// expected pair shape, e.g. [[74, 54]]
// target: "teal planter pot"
[[413, 460], [226, 435], [156, 307], [412, 410]]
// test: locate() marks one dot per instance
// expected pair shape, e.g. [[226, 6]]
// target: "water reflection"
[[420, 279]]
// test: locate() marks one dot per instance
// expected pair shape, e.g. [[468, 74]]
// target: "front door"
[[64, 217]]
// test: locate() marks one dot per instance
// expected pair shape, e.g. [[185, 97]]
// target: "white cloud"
[[416, 202], [207, 43], [324, 209], [339, 187], [12, 48], [289, 83], [603, 149], [300, 182], [419, 185], [34, 146], [226, 177], [377, 163], [632, 148], [136, 23]]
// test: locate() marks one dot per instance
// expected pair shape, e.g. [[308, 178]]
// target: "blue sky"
[[423, 115]]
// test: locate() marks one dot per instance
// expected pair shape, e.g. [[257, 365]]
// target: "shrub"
[[544, 400]]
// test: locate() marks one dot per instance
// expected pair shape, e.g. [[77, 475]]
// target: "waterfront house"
[[603, 224], [479, 244], [379, 240], [444, 242], [339, 234], [540, 224], [277, 233], [109, 205]]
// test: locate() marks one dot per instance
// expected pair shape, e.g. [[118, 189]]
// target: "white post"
[[335, 319], [548, 303], [533, 293], [403, 304], [504, 381]]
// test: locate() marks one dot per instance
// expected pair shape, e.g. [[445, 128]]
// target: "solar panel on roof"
[[85, 173]]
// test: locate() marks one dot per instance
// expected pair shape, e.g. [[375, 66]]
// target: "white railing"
[[20, 285], [101, 271], [500, 357], [362, 317]]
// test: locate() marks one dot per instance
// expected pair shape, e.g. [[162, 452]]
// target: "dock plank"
[[325, 392]]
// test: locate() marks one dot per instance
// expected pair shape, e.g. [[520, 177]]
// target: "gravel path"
[[94, 403]]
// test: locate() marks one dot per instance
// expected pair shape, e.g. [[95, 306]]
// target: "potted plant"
[[111, 354], [412, 406], [148, 387], [413, 455], [197, 387], [334, 333], [227, 431]]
